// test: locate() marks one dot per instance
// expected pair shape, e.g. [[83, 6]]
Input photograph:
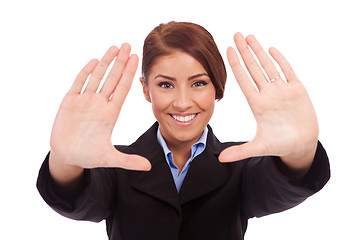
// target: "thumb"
[[240, 152], [127, 161]]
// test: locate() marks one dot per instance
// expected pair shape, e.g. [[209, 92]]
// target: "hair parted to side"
[[191, 39]]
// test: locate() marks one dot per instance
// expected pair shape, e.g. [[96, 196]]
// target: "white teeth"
[[184, 118]]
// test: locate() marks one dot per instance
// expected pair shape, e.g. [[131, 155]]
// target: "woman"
[[188, 184]]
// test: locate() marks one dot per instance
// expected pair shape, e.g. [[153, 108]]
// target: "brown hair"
[[189, 38]]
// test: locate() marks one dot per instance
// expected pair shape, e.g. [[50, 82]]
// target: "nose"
[[182, 100]]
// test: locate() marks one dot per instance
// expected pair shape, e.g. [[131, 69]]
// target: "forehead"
[[177, 63]]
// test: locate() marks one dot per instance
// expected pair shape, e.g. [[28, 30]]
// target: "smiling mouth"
[[184, 119]]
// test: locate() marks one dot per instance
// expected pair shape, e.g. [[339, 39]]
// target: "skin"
[[286, 121], [287, 125], [178, 85], [85, 120]]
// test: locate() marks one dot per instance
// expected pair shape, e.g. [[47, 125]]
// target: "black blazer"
[[214, 203]]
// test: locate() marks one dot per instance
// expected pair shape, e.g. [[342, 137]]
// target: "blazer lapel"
[[206, 173], [158, 182]]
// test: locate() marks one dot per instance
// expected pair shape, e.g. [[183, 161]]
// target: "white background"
[[44, 44]]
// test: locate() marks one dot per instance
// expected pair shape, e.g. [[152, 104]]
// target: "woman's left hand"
[[286, 120]]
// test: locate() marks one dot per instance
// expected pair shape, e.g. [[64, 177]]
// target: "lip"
[[184, 124]]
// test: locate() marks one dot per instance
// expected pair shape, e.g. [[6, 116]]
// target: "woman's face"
[[182, 97]]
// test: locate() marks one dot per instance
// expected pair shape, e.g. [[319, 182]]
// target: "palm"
[[84, 123], [286, 120], [285, 117], [82, 130]]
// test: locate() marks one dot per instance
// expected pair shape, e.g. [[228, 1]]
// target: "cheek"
[[209, 106], [159, 103], [206, 100]]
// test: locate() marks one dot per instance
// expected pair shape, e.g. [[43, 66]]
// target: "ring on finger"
[[273, 79]]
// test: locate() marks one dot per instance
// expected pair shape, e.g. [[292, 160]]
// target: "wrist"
[[298, 164], [64, 174]]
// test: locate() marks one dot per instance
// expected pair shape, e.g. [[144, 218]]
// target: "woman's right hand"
[[81, 134]]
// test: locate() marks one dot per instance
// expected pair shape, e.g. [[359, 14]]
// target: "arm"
[[81, 140], [266, 190], [92, 198]]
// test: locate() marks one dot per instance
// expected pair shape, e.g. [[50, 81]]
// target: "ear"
[[145, 90]]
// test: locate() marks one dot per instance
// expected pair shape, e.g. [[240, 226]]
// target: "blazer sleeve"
[[265, 190], [93, 202]]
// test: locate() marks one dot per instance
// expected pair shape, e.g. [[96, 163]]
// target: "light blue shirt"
[[196, 149]]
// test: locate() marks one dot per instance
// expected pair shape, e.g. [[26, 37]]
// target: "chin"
[[190, 135]]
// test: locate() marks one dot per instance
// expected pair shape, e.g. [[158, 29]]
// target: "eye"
[[199, 84], [165, 85]]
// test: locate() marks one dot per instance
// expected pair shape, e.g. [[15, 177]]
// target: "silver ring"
[[273, 79]]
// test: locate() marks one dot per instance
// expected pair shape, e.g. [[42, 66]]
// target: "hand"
[[81, 135], [286, 121]]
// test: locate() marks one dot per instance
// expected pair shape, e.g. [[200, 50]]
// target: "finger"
[[80, 80], [126, 161], [116, 71], [240, 152], [249, 60], [100, 70], [240, 75], [125, 82], [284, 65], [264, 59]]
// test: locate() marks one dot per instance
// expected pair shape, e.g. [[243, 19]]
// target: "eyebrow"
[[174, 79]]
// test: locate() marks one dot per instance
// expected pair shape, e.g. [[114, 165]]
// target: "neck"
[[180, 148], [181, 152], [180, 156]]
